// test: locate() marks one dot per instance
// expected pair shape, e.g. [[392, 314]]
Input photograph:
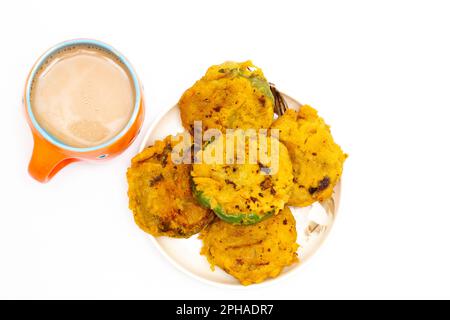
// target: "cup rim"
[[47, 136]]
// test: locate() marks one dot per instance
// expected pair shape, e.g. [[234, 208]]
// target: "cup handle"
[[46, 160]]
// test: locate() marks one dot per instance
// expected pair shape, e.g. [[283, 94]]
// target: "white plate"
[[313, 222]]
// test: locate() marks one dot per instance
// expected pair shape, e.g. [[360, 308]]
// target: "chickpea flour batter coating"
[[316, 159], [231, 95], [243, 193], [255, 252], [160, 195]]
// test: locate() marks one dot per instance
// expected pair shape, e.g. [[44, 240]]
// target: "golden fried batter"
[[317, 160], [248, 192], [230, 95], [252, 253], [160, 194]]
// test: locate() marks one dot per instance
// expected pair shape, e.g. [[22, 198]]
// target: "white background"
[[378, 72]]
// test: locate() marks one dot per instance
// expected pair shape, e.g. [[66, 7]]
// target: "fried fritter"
[[230, 95], [160, 195], [248, 190], [317, 160], [252, 253]]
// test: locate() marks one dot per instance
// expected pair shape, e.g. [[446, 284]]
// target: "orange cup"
[[51, 155]]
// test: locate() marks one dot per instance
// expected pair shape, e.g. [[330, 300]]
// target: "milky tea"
[[83, 96]]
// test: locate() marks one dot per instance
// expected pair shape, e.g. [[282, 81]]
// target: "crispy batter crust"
[[230, 95], [160, 195], [241, 193], [252, 253], [317, 160]]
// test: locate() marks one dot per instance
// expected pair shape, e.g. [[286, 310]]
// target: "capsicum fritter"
[[317, 160], [160, 194]]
